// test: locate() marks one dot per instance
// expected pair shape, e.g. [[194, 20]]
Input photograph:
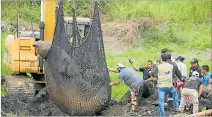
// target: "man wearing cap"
[[182, 67], [132, 79], [195, 67], [193, 89]]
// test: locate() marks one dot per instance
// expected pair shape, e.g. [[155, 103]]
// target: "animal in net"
[[76, 73]]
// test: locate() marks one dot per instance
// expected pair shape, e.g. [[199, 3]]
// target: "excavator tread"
[[24, 84]]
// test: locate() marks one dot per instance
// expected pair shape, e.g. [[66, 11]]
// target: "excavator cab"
[[83, 25]]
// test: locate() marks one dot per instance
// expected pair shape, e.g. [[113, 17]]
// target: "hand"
[[183, 79], [108, 69], [111, 84], [199, 97], [130, 61]]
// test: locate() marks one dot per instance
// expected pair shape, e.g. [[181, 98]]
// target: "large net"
[[76, 73]]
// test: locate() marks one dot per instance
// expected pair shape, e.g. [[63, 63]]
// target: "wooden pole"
[[203, 113]]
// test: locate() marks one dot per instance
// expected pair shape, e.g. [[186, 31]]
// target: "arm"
[[154, 73], [111, 70], [200, 73], [177, 71], [186, 73], [204, 95], [137, 69], [190, 72], [200, 90], [210, 95], [149, 79], [117, 82], [207, 95], [131, 62]]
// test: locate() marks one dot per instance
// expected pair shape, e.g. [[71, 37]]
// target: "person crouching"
[[192, 88], [132, 79]]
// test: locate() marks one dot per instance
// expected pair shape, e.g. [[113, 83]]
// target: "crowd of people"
[[170, 78]]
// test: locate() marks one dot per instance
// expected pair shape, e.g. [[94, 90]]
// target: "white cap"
[[195, 74], [120, 65]]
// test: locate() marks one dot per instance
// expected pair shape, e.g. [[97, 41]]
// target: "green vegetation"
[[4, 69], [188, 23], [172, 11], [183, 26], [3, 90]]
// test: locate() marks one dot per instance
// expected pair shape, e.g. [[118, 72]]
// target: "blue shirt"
[[129, 76], [206, 79]]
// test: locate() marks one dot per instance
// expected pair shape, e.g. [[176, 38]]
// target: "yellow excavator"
[[21, 56]]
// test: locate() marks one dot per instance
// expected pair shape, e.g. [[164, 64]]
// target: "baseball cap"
[[180, 58], [194, 60], [195, 74], [120, 65]]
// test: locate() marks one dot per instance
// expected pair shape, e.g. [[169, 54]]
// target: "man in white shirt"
[[182, 67]]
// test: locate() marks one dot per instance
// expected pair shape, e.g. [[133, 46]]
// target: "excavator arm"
[[47, 24], [48, 19]]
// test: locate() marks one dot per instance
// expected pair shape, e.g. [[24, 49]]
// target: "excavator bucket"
[[76, 73]]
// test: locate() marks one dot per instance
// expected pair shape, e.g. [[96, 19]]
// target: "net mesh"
[[76, 73]]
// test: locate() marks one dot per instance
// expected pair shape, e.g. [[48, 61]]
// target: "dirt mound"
[[124, 33]]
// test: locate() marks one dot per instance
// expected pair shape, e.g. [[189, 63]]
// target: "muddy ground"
[[20, 104]]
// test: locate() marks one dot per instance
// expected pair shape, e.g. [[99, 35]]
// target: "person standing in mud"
[[165, 83], [132, 79], [195, 67], [176, 74]]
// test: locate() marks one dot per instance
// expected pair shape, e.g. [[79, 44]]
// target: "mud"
[[19, 104]]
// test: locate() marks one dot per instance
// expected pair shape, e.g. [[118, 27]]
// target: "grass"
[[174, 11], [4, 69]]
